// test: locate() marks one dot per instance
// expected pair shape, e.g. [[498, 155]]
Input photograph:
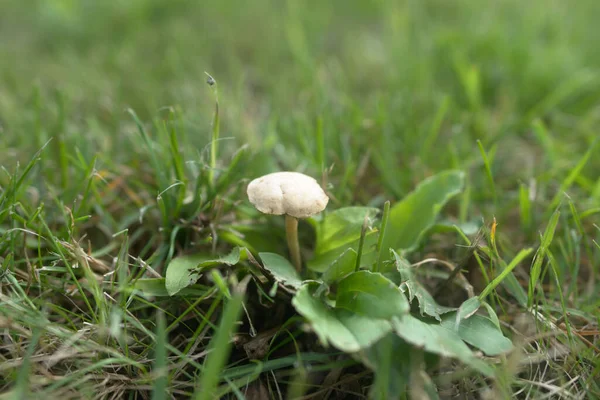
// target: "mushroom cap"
[[290, 193]]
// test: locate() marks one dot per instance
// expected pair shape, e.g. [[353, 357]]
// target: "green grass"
[[117, 157]]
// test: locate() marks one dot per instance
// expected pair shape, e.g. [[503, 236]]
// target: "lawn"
[[456, 141]]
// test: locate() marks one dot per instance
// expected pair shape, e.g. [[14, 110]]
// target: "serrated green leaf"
[[411, 217], [342, 329], [427, 304], [434, 338], [479, 332], [371, 294], [281, 269]]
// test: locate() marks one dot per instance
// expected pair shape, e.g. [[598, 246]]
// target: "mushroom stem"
[[291, 231]]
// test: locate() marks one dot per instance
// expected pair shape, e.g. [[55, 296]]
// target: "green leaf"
[[389, 358], [342, 266], [250, 236], [281, 269], [371, 294], [321, 262], [479, 332], [342, 329], [156, 287], [434, 338], [427, 304], [184, 270], [366, 330], [341, 227], [492, 314], [467, 309], [337, 232], [410, 218], [450, 226]]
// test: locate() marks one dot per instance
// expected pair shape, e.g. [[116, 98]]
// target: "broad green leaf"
[[427, 304], [434, 338], [157, 287], [342, 329], [185, 270], [479, 332], [411, 217], [254, 237], [450, 226], [366, 330], [341, 227], [341, 267], [321, 262], [371, 294], [180, 272], [281, 269]]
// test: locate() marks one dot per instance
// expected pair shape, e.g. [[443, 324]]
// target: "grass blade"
[[380, 249], [214, 144], [434, 131], [160, 371], [361, 242], [525, 208], [536, 269], [488, 169], [575, 172], [505, 272], [219, 348], [22, 381]]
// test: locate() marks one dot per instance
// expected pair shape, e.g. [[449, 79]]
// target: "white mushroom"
[[291, 193]]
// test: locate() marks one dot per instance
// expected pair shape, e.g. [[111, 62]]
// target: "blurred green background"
[[400, 88]]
